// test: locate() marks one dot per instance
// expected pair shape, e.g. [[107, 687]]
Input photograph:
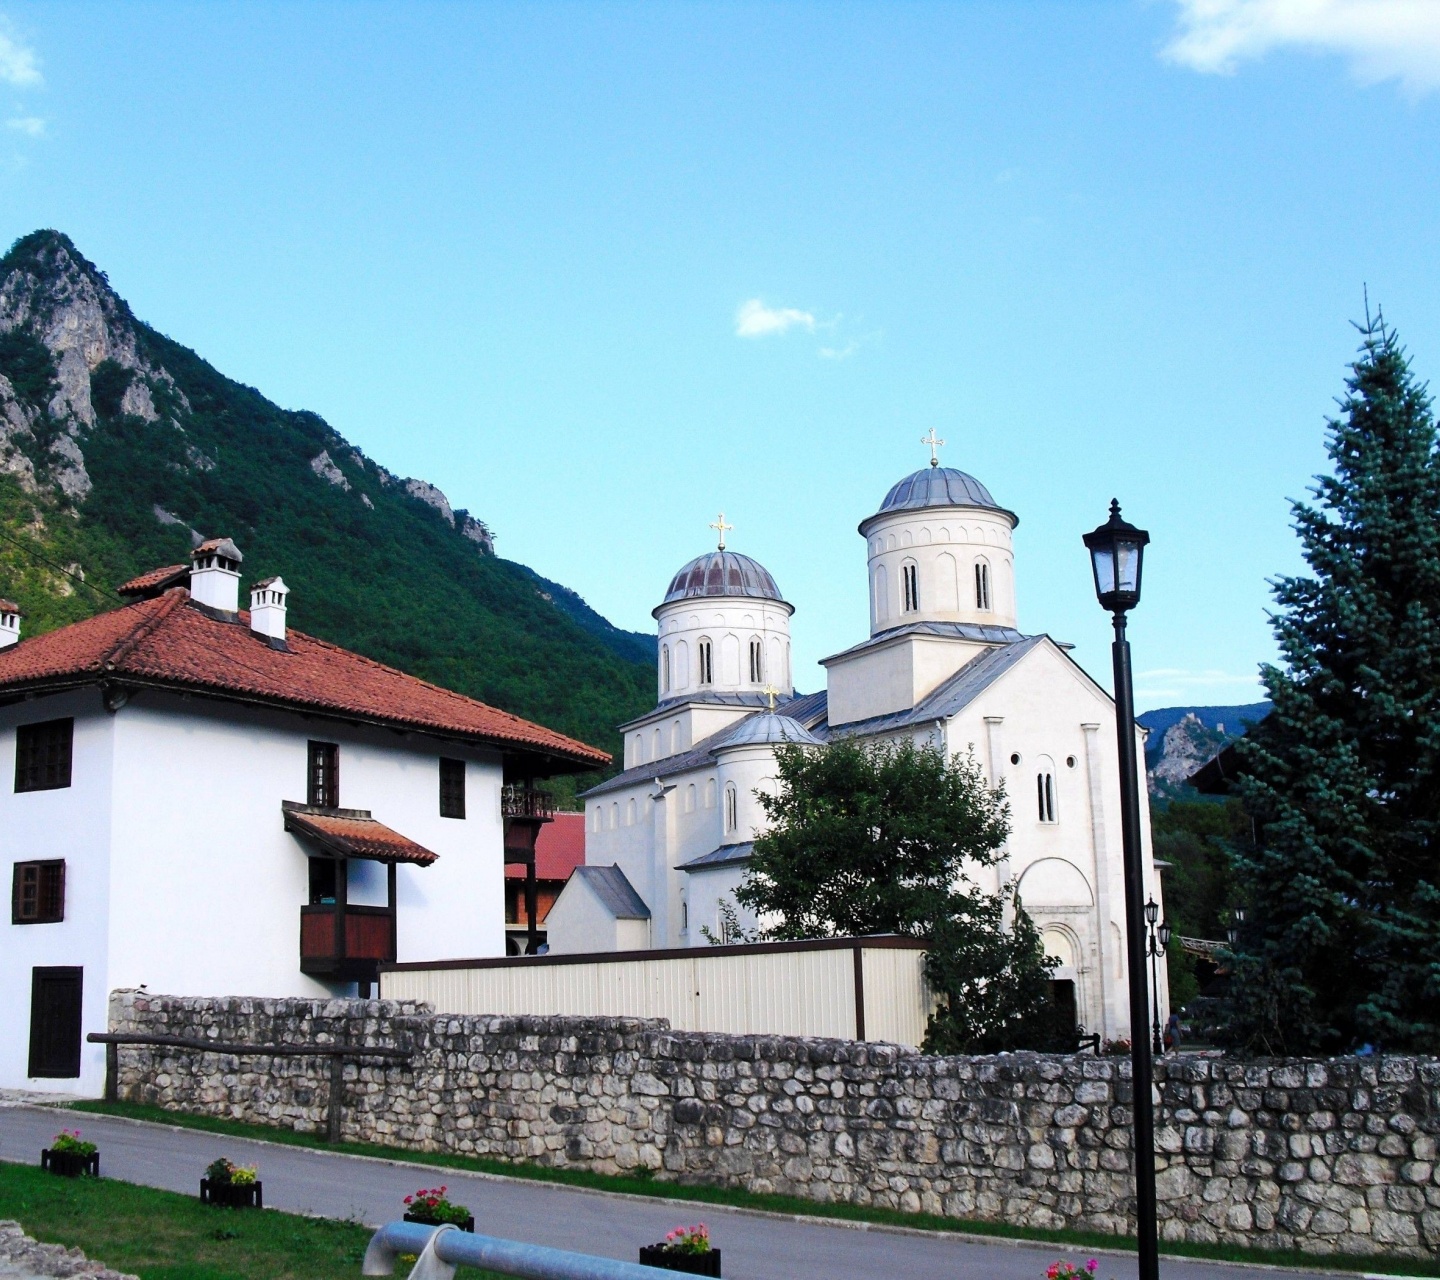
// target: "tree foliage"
[[887, 838], [1342, 942]]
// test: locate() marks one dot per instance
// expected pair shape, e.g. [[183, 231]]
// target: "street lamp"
[[1156, 943], [1117, 550]]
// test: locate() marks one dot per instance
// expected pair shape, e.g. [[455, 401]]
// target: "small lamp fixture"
[[1117, 549], [1152, 911], [1164, 932]]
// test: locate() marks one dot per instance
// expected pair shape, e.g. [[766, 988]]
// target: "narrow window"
[[690, 798], [42, 755], [614, 815], [757, 662], [665, 669], [630, 813], [1045, 795], [452, 788], [910, 581], [982, 585], [37, 894], [323, 881], [710, 794], [707, 669], [324, 789], [732, 806]]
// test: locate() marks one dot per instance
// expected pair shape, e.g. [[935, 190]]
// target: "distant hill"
[[1183, 738], [119, 447]]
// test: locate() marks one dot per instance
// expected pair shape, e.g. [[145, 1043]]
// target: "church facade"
[[945, 664]]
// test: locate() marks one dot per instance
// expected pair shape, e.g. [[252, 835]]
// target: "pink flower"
[[1092, 1265]]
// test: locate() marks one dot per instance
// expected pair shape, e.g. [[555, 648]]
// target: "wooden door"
[[55, 1022]]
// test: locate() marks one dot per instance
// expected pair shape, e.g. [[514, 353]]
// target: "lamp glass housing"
[[1117, 558], [1152, 911], [1163, 932]]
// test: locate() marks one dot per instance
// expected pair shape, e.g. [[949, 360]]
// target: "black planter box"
[[69, 1164], [231, 1195], [695, 1264], [467, 1225]]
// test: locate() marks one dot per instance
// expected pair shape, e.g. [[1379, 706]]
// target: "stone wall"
[[1335, 1155]]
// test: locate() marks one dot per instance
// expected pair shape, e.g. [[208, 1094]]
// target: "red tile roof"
[[149, 583], [171, 643], [353, 833], [559, 849]]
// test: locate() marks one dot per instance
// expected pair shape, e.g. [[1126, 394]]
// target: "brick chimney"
[[10, 616], [215, 574], [267, 608]]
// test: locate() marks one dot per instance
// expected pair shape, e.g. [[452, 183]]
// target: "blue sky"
[[602, 271]]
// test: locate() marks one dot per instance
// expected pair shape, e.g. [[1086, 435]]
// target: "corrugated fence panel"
[[897, 997]]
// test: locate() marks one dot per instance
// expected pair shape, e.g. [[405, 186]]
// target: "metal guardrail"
[[337, 1053], [449, 1247]]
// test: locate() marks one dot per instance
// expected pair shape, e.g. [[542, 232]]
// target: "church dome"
[[938, 487], [768, 727], [723, 573]]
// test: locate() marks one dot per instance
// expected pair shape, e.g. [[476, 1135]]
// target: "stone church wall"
[[1335, 1155]]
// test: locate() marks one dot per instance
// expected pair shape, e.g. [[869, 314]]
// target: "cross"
[[934, 444], [771, 692], [719, 524]]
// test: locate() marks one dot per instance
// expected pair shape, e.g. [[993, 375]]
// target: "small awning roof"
[[352, 833]]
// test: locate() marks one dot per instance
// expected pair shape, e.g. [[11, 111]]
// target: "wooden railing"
[[368, 940], [518, 801]]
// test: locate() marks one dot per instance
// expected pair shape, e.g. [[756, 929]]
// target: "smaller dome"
[[938, 487], [723, 573], [769, 727]]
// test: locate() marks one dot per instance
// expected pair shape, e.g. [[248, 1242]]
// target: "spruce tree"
[[1342, 942]]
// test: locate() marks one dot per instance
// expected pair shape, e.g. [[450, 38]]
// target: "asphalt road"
[[756, 1246]]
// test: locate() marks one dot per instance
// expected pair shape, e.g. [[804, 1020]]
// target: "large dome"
[[938, 487], [723, 573]]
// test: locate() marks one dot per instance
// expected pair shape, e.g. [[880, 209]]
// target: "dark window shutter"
[[452, 788], [55, 1014], [43, 755]]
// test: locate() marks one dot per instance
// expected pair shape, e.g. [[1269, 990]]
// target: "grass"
[[646, 1185], [159, 1235]]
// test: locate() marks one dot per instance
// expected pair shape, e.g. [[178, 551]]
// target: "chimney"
[[10, 616], [215, 574], [267, 608]]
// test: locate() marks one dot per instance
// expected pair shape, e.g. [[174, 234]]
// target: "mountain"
[[119, 448], [1183, 738]]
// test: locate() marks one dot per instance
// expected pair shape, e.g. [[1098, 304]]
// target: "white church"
[[669, 838]]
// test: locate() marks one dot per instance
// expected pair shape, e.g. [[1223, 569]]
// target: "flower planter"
[[70, 1164], [467, 1225], [695, 1264], [232, 1195]]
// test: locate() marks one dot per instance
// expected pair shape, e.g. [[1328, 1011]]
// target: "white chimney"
[[10, 616], [215, 574], [267, 608]]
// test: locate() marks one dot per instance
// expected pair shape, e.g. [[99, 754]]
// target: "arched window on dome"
[[705, 659], [880, 594], [757, 660], [710, 794], [732, 808], [664, 668], [682, 665], [659, 745], [982, 585], [910, 586]]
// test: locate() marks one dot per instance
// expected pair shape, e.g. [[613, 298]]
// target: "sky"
[[603, 271]]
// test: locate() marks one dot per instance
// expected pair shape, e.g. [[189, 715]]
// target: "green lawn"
[[159, 1235], [649, 1186]]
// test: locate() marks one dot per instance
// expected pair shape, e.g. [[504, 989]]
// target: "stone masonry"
[[1336, 1155]]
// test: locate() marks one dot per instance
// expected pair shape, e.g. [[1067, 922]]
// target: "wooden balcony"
[[347, 947]]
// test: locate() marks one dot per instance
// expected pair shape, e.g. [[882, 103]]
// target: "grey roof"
[[938, 487], [808, 709], [613, 888], [723, 573], [725, 856], [951, 697], [980, 632], [769, 727]]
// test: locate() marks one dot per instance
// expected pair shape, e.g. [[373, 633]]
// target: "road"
[[756, 1246]]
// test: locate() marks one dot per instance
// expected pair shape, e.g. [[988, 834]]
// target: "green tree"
[[1342, 943], [885, 838]]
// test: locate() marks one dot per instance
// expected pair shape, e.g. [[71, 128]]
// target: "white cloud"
[[34, 126], [19, 67], [1382, 39], [755, 320], [839, 353]]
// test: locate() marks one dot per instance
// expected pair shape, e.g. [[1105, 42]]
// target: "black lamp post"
[[1156, 943], [1117, 550]]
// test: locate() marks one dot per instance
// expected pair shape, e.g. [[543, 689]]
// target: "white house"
[[206, 801], [944, 663]]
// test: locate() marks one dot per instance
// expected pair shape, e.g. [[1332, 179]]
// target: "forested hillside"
[[118, 446]]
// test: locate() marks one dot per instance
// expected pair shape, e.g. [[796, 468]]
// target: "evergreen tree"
[[885, 839], [1342, 942]]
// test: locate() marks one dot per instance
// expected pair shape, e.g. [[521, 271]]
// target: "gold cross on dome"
[[719, 524], [771, 692], [934, 444]]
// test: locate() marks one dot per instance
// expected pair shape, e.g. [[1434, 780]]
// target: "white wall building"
[[944, 664], [201, 794]]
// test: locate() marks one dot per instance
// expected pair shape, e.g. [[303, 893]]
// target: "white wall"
[[579, 923], [893, 676]]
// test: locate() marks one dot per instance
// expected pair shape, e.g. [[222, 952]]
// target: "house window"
[[37, 894], [732, 808], [665, 669], [452, 788], [757, 662], [982, 585], [707, 666], [324, 788], [910, 581], [42, 755], [1045, 795]]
